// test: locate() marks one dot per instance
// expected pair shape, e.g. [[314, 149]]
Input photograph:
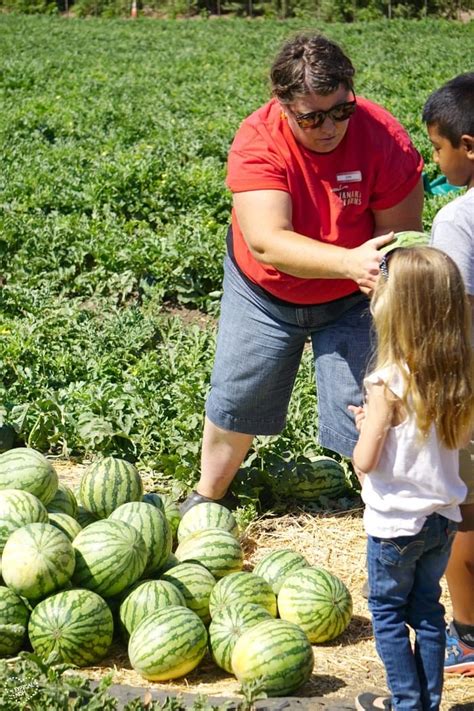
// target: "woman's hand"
[[362, 264]]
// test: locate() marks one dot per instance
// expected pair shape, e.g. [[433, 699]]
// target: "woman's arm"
[[377, 420], [407, 215], [265, 218]]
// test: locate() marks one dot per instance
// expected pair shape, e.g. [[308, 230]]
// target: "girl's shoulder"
[[391, 376]]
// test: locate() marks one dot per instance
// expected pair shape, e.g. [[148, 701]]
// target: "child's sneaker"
[[372, 702], [459, 656]]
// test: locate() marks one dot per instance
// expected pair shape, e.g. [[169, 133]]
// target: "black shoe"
[[229, 501], [372, 702]]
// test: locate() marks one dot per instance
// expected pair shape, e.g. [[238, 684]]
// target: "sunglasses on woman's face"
[[315, 119]]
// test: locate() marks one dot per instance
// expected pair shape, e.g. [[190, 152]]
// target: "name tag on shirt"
[[354, 176]]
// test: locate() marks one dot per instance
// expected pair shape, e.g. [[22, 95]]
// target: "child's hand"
[[359, 414]]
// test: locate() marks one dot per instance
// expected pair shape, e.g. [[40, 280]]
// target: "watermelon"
[[219, 551], [37, 560], [84, 517], [169, 563], [66, 524], [108, 484], [110, 557], [145, 597], [226, 627], [310, 478], [407, 238], [275, 653], [152, 525], [171, 511], [64, 501], [167, 644], [242, 587], [195, 582], [275, 566], [207, 515], [14, 616], [76, 624], [154, 500], [317, 601], [25, 468], [17, 508]]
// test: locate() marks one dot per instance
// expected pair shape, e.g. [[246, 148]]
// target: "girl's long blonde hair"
[[422, 318]]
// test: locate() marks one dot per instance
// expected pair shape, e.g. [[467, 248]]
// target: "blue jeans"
[[404, 591], [259, 348]]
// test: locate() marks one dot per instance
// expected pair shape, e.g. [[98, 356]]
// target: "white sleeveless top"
[[413, 478]]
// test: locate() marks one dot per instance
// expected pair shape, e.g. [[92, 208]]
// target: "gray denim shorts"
[[259, 348]]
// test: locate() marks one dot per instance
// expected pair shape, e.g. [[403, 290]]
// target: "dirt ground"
[[344, 667]]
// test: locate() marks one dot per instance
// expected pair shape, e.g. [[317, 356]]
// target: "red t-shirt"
[[333, 194]]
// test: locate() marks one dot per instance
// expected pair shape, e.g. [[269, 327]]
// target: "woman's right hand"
[[363, 263]]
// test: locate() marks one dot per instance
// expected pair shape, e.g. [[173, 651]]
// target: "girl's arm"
[[373, 428]]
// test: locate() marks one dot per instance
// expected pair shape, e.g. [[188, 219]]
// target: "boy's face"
[[457, 164]]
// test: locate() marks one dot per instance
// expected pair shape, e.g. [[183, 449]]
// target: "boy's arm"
[[374, 428]]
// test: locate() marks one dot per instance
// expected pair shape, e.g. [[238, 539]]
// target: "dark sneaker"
[[459, 656], [372, 702], [229, 501]]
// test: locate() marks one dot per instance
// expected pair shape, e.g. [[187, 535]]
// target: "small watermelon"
[[167, 644], [66, 524], [17, 508], [37, 560], [109, 483], [171, 511], [219, 551], [152, 525], [25, 468], [110, 557], [207, 515], [195, 583], [242, 587], [277, 565], [276, 653], [145, 597], [226, 627], [76, 624], [407, 238], [317, 601], [64, 501], [14, 616]]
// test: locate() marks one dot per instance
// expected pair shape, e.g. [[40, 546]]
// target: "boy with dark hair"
[[449, 116]]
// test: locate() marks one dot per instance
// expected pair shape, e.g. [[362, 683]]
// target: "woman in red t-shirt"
[[320, 180]]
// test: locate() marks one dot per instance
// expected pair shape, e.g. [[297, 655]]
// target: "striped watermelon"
[[108, 484], [64, 501], [152, 525], [167, 644], [207, 515], [13, 622], [169, 563], [154, 500], [195, 582], [84, 517], [37, 560], [17, 508], [76, 624], [214, 548], [66, 524], [309, 479], [171, 511], [144, 598], [110, 557], [242, 587], [317, 601], [275, 653], [25, 468], [226, 627], [275, 566], [407, 238]]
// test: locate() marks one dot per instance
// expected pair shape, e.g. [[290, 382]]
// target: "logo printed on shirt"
[[346, 193]]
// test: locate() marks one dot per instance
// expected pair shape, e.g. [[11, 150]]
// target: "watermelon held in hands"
[[167, 644], [407, 238], [317, 601], [76, 624], [277, 654], [25, 468]]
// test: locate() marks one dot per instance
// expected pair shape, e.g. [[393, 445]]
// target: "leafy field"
[[113, 203]]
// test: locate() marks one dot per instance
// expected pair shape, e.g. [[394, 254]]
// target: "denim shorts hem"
[[229, 422], [337, 442]]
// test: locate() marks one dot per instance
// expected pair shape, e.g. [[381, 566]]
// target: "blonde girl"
[[419, 412]]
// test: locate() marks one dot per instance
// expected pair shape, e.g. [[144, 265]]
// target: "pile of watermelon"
[[79, 567]]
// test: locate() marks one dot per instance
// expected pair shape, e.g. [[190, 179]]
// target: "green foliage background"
[[113, 203]]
